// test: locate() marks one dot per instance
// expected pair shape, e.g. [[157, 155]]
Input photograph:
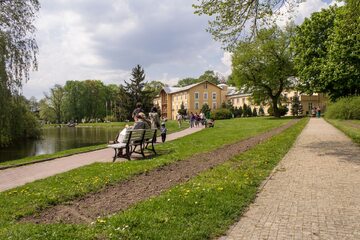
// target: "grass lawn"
[[188, 211], [171, 125], [350, 127]]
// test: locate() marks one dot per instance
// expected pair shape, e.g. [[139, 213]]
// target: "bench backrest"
[[135, 135], [150, 134]]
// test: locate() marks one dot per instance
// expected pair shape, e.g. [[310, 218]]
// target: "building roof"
[[170, 90]]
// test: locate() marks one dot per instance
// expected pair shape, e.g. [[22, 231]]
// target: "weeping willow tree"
[[18, 50]]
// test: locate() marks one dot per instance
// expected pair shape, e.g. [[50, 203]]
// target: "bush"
[[221, 113], [283, 110], [344, 108]]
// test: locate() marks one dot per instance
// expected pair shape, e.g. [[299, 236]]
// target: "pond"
[[59, 139]]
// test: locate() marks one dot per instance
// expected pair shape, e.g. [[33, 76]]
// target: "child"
[[163, 131]]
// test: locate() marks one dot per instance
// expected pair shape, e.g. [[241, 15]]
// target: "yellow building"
[[193, 97]]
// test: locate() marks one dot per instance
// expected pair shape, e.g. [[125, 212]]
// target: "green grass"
[[41, 194], [171, 126], [348, 127]]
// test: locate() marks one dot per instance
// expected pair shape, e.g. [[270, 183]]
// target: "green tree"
[[136, 91], [73, 109], [205, 109], [341, 70], [154, 87], [264, 66], [182, 111], [18, 50], [55, 101], [46, 113], [295, 105], [186, 81], [232, 18], [327, 49], [254, 112], [261, 111], [209, 76], [18, 46], [310, 49]]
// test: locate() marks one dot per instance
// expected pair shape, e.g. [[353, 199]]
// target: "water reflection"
[[58, 139]]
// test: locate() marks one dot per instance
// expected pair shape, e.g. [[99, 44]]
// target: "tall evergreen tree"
[[136, 92]]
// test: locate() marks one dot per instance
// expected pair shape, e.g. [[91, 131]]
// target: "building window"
[[214, 96], [205, 95], [196, 105], [214, 105], [196, 95], [243, 100], [238, 100], [310, 106]]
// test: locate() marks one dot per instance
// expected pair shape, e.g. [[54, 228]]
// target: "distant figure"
[[137, 110], [318, 112], [154, 118], [179, 119], [313, 112], [192, 120], [211, 123], [163, 132]]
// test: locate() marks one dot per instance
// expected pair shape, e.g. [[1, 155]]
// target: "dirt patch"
[[121, 196]]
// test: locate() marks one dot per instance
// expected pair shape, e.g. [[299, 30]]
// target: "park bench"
[[134, 138]]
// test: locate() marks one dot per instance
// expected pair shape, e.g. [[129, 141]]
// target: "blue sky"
[[92, 39]]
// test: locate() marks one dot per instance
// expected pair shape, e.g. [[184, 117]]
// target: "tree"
[[261, 111], [295, 105], [341, 71], [154, 87], [186, 81], [254, 112], [136, 93], [18, 52], [182, 111], [54, 102], [264, 66], [248, 112], [18, 48], [205, 109], [327, 51], [209, 76], [234, 17], [310, 49], [238, 112]]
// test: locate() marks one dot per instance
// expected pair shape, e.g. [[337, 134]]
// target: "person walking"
[[154, 118], [163, 132], [318, 112], [192, 120], [179, 119]]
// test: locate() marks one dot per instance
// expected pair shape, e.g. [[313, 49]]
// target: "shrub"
[[221, 113], [344, 108], [283, 110]]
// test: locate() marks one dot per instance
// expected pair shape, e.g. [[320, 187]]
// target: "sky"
[[104, 40]]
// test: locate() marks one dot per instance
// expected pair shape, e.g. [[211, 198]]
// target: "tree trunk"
[[275, 107]]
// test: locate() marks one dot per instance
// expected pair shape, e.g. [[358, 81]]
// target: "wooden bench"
[[142, 138]]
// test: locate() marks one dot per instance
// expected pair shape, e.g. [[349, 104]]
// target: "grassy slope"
[[349, 129], [40, 194], [172, 127]]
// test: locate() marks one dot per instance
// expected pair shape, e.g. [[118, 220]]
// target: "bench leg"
[[128, 153], [153, 147], [114, 158]]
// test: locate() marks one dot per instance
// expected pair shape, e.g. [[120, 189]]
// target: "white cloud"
[[104, 40]]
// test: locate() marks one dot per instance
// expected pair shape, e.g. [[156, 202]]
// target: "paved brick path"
[[13, 177], [314, 194]]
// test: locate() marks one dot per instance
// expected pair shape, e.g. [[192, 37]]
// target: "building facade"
[[194, 96]]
